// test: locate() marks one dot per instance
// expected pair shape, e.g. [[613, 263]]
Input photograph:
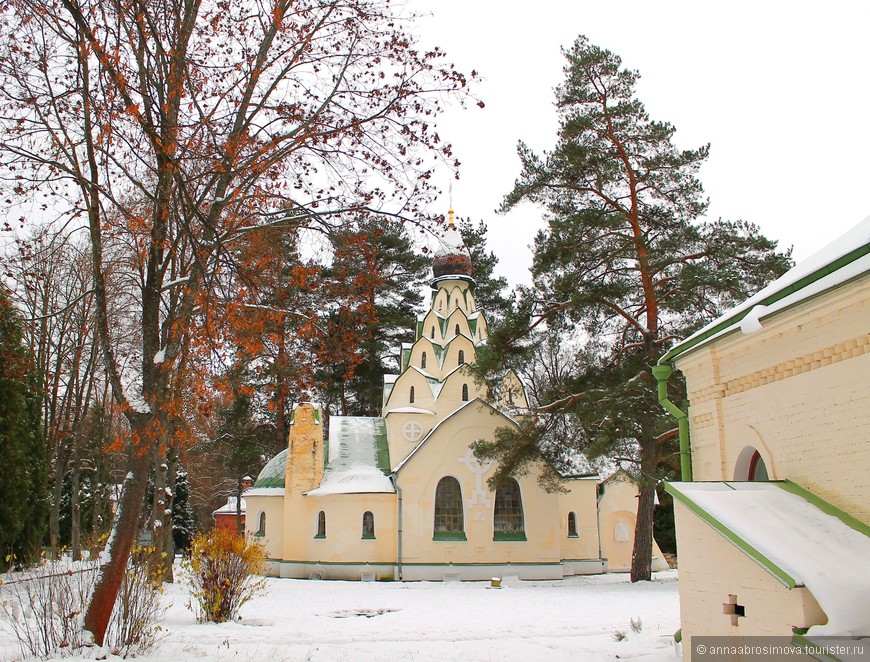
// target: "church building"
[[402, 496]]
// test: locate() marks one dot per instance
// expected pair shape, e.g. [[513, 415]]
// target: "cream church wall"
[[581, 555], [273, 506], [419, 478], [617, 516]]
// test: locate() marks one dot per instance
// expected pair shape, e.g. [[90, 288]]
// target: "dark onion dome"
[[452, 257]]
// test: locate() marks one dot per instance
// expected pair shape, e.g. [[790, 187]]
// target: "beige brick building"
[[772, 522]]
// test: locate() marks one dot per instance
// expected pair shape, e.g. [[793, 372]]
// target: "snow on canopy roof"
[[843, 259], [410, 410], [273, 473], [358, 457], [230, 506], [797, 537]]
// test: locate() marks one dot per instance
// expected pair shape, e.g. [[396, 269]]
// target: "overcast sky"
[[781, 90]]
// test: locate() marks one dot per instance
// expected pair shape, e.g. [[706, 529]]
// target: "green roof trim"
[[825, 507], [817, 649], [771, 567], [383, 446], [472, 326], [406, 357], [798, 285]]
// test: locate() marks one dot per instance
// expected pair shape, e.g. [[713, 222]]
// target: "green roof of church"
[[272, 474]]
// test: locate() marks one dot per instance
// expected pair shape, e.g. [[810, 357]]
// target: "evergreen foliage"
[[374, 284], [624, 269], [183, 519], [24, 469], [243, 444], [489, 289]]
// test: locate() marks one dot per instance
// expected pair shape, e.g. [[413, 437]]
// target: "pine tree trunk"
[[641, 557]]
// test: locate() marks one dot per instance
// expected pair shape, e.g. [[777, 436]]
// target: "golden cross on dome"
[[450, 211]]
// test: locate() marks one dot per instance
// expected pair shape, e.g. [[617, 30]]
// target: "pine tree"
[[374, 284], [624, 268], [24, 469], [489, 290]]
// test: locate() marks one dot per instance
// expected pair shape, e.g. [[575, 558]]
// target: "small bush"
[[222, 570], [636, 625], [43, 606], [133, 628]]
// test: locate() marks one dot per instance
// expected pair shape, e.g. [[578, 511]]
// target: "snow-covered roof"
[[272, 475], [230, 506], [841, 260], [358, 457], [264, 491], [798, 538], [410, 410]]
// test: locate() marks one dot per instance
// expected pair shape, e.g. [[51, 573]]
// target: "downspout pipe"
[[394, 479], [662, 373]]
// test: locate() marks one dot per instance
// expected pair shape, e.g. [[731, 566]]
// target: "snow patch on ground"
[[328, 621]]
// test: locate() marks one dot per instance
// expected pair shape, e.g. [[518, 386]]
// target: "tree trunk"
[[118, 548], [60, 462], [97, 527], [74, 507], [641, 557]]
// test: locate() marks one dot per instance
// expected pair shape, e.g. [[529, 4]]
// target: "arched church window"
[[261, 530], [423, 361], [750, 465], [572, 525], [757, 468], [368, 525], [461, 357], [321, 525], [508, 521], [433, 332], [465, 393], [456, 330], [449, 518], [411, 396]]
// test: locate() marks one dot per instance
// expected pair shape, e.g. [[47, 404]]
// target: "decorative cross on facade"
[[478, 468], [412, 431], [733, 609]]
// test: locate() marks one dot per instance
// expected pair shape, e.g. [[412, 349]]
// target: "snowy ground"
[[576, 619]]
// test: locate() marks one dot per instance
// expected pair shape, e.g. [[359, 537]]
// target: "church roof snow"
[[272, 475], [358, 457]]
